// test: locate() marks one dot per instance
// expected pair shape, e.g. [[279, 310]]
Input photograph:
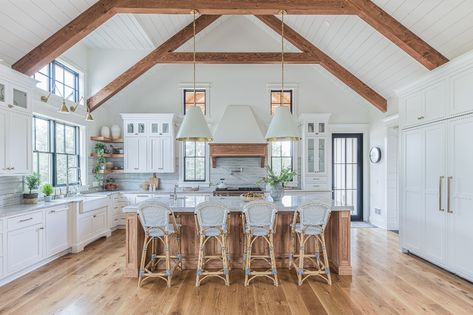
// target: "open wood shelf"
[[106, 140], [108, 155], [110, 171]]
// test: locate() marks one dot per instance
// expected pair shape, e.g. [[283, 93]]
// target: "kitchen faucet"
[[78, 177], [174, 194]]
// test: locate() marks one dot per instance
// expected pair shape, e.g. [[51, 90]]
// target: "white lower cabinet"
[[437, 194], [24, 243], [91, 225], [57, 230]]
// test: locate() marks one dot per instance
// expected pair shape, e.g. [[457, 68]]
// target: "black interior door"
[[347, 172]]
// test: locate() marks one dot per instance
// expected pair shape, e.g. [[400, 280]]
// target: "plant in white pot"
[[47, 190], [276, 181], [32, 182]]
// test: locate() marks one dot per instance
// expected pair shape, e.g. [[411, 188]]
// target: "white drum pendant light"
[[282, 126], [194, 127]]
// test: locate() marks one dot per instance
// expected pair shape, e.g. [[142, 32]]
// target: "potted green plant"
[[32, 183], [47, 190], [276, 181], [100, 160]]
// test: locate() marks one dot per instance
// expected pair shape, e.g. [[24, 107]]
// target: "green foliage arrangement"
[[100, 162], [47, 189], [273, 179], [32, 181]]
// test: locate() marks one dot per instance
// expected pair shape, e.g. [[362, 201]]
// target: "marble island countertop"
[[187, 203]]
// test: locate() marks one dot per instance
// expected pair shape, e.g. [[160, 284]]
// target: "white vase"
[[105, 132], [116, 131]]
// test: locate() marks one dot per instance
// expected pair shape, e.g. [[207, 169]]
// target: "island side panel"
[[338, 236], [134, 244]]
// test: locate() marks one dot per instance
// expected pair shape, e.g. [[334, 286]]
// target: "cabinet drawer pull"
[[24, 220], [420, 117], [52, 211], [41, 228], [440, 193], [94, 215], [10, 106]]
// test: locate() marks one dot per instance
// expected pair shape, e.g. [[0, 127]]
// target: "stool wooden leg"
[[248, 258], [225, 260], [273, 260], [300, 270], [168, 260], [143, 260], [326, 263], [199, 261], [292, 249]]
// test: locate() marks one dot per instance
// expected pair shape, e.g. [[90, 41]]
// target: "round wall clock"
[[375, 155]]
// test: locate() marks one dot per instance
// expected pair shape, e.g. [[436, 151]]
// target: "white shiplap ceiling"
[[445, 24]]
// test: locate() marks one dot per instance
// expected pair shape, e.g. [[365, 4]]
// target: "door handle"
[[440, 193], [449, 192]]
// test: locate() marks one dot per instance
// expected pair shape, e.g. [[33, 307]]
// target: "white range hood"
[[238, 125]]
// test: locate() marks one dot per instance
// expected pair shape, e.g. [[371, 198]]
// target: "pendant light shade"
[[283, 127], [194, 127], [88, 117], [63, 108]]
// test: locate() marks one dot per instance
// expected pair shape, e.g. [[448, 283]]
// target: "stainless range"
[[235, 191]]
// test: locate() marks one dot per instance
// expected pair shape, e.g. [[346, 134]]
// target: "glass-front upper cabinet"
[[134, 128], [159, 128], [316, 155], [2, 93], [316, 128], [20, 98]]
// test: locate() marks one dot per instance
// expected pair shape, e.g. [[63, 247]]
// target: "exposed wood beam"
[[328, 63], [66, 37], [234, 7], [239, 58], [398, 34], [148, 62]]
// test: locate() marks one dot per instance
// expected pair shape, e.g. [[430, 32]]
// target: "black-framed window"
[[200, 99], [281, 99], [281, 155], [59, 79], [195, 161], [56, 149]]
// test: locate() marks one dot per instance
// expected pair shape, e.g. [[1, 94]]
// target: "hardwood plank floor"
[[385, 281]]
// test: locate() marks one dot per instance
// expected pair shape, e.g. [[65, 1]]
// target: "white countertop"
[[288, 203], [24, 208]]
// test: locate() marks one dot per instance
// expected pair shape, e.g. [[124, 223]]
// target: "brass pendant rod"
[[194, 12], [282, 59]]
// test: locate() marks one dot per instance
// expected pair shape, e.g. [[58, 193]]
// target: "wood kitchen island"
[[337, 233]]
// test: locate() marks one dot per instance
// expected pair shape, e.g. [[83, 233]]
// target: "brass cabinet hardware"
[[449, 192], [440, 193]]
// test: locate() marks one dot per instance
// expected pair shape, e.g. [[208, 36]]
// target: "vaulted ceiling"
[[446, 25]]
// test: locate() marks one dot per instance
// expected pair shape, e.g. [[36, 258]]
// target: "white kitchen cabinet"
[[19, 143], [437, 193], [159, 157], [315, 152], [2, 238], [149, 143], [462, 93], [459, 197], [136, 154], [25, 242], [92, 225], [57, 229], [15, 143]]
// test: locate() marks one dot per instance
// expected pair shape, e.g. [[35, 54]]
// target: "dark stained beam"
[[66, 37], [148, 62], [233, 7], [398, 34], [238, 58], [328, 63]]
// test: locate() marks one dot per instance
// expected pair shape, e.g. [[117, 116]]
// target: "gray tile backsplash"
[[236, 171], [11, 190]]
